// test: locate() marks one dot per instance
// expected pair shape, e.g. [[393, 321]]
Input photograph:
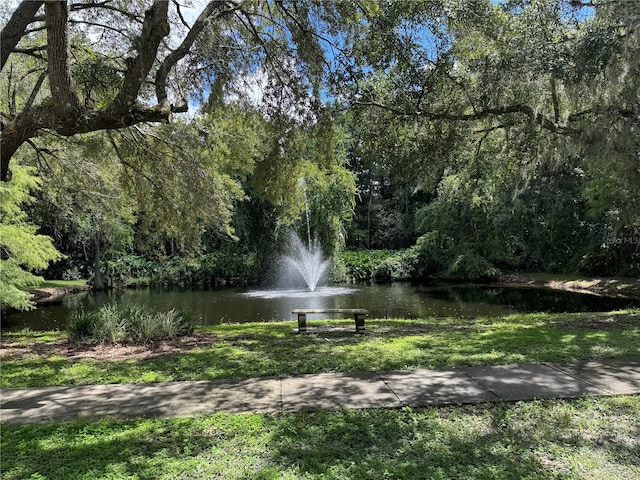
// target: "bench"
[[359, 315]]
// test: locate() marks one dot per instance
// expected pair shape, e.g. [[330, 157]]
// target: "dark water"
[[210, 307]]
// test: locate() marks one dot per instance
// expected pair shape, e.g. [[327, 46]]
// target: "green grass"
[[60, 283], [595, 438], [263, 349]]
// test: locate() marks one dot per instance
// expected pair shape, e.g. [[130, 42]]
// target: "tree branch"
[[537, 118], [204, 19], [35, 91], [184, 22], [154, 29], [27, 124], [611, 110], [15, 28], [101, 25], [105, 5], [554, 99], [128, 164], [30, 50]]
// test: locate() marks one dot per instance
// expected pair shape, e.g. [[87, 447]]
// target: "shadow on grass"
[[265, 350], [139, 449], [390, 444], [501, 441], [536, 440]]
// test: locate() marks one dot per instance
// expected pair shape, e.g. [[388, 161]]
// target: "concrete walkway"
[[415, 388]]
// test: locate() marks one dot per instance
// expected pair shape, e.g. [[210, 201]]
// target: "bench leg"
[[302, 323], [359, 323]]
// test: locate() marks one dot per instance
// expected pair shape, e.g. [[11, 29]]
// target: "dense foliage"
[[22, 250], [476, 136], [508, 133]]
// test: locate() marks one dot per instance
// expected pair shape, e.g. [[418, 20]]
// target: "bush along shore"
[[136, 324]]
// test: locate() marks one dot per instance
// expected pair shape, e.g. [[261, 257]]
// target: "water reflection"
[[399, 300]]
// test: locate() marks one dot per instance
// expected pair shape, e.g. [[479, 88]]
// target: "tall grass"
[[136, 324]]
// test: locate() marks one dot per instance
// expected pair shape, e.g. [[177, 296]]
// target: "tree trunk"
[[67, 117], [369, 221], [63, 92], [97, 277]]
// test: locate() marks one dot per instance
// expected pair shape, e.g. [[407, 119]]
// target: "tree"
[[525, 101], [514, 61], [22, 249], [147, 49]]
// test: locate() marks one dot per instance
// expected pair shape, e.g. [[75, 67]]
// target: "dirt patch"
[[14, 348], [610, 287], [602, 321], [54, 294]]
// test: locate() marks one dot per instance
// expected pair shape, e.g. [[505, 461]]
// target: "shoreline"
[[621, 287], [54, 294]]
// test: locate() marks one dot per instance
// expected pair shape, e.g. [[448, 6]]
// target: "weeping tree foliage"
[[148, 57], [532, 107], [163, 186], [304, 177], [84, 86]]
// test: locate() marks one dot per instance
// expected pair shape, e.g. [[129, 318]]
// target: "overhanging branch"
[[205, 17], [15, 28], [537, 118], [154, 29]]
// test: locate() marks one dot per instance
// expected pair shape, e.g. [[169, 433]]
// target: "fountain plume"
[[308, 261]]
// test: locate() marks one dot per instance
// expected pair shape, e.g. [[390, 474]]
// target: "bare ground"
[[54, 294], [612, 287], [14, 348]]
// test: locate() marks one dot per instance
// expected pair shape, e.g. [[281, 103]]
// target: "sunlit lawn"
[[595, 438], [262, 349], [60, 283]]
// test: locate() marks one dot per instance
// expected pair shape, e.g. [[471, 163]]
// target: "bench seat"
[[359, 314]]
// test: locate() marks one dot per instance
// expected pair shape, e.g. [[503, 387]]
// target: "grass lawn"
[[595, 438], [60, 283], [262, 349]]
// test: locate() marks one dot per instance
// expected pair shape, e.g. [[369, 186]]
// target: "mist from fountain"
[[302, 266], [306, 260]]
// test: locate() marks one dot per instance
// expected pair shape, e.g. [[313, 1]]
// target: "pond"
[[397, 300]]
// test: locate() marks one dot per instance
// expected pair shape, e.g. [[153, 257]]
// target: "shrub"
[[209, 269], [127, 267], [231, 268], [80, 326], [142, 323], [137, 324], [437, 255], [110, 325], [397, 267], [361, 265], [470, 266], [171, 324]]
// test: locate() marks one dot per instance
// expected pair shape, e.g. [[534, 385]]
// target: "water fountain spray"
[[306, 260]]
